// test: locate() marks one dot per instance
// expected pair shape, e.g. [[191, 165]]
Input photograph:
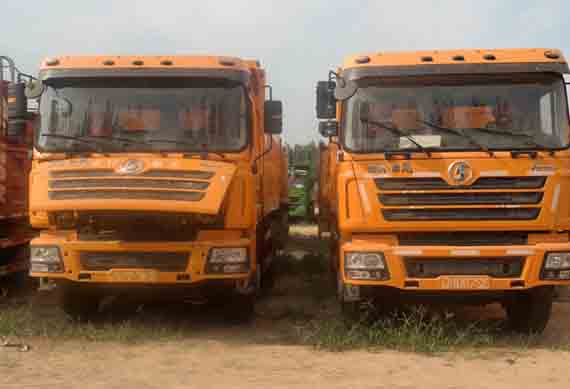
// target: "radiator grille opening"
[[162, 261], [497, 267]]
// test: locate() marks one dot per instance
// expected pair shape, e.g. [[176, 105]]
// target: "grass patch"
[[415, 330], [25, 321]]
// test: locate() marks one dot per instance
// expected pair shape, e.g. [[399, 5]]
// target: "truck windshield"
[[458, 113], [142, 114]]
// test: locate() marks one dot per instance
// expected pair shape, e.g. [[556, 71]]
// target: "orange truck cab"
[[156, 173], [15, 138], [446, 176]]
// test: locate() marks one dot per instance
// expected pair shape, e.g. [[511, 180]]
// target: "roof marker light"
[[427, 58], [138, 62], [108, 62], [52, 62], [552, 54], [458, 58], [166, 62], [227, 61], [362, 59], [489, 57]]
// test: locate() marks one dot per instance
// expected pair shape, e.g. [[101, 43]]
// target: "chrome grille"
[[103, 261], [154, 184], [498, 267], [489, 198]]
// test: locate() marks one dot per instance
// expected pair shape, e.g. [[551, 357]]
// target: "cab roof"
[[102, 62], [450, 57], [231, 68]]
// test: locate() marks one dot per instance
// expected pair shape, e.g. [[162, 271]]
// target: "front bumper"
[[395, 258], [192, 273]]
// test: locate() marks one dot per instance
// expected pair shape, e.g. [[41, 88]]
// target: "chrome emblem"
[[460, 172], [131, 166]]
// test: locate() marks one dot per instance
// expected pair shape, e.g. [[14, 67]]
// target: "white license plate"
[[134, 276], [465, 283]]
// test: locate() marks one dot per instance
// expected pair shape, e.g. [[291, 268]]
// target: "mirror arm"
[[254, 163], [335, 76], [270, 91]]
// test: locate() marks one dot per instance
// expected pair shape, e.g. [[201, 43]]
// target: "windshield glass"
[[142, 114], [458, 113]]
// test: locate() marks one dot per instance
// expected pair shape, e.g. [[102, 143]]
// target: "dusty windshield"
[[133, 114], [458, 113]]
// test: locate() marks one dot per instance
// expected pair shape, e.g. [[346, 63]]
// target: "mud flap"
[[247, 287], [347, 292]]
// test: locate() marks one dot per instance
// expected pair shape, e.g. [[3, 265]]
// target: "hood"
[[465, 194], [131, 184]]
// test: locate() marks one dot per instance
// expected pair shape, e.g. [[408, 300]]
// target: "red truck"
[[15, 140]]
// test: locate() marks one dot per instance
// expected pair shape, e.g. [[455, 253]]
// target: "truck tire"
[[76, 303], [240, 308], [528, 312], [352, 312]]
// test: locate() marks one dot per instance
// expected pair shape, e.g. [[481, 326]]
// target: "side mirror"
[[273, 121], [34, 89], [328, 128], [326, 103]]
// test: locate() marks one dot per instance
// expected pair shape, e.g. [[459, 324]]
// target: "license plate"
[[134, 276], [465, 283]]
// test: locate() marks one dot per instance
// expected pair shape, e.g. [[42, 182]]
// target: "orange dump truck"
[[447, 176], [156, 174], [15, 138]]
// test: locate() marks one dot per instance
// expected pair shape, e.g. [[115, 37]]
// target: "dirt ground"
[[261, 354]]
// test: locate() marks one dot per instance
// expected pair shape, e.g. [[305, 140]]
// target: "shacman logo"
[[460, 172], [131, 166]]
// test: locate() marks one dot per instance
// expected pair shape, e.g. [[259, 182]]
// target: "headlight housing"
[[45, 259], [365, 266], [227, 260], [556, 266]]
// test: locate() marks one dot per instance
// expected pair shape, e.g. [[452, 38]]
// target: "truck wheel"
[[78, 304], [528, 312], [268, 280], [352, 311], [240, 308]]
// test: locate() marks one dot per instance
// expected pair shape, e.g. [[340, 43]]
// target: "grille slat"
[[463, 238], [460, 198], [461, 214], [126, 183], [497, 267], [88, 173], [427, 183], [125, 195], [104, 261]]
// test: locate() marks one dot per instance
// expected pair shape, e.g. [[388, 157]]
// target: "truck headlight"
[[45, 259], [228, 260], [556, 266], [365, 266]]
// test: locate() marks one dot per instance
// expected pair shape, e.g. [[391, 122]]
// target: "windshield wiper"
[[78, 139], [509, 133], [397, 132], [181, 142], [457, 132], [115, 138]]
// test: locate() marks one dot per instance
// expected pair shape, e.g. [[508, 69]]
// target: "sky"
[[297, 41]]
